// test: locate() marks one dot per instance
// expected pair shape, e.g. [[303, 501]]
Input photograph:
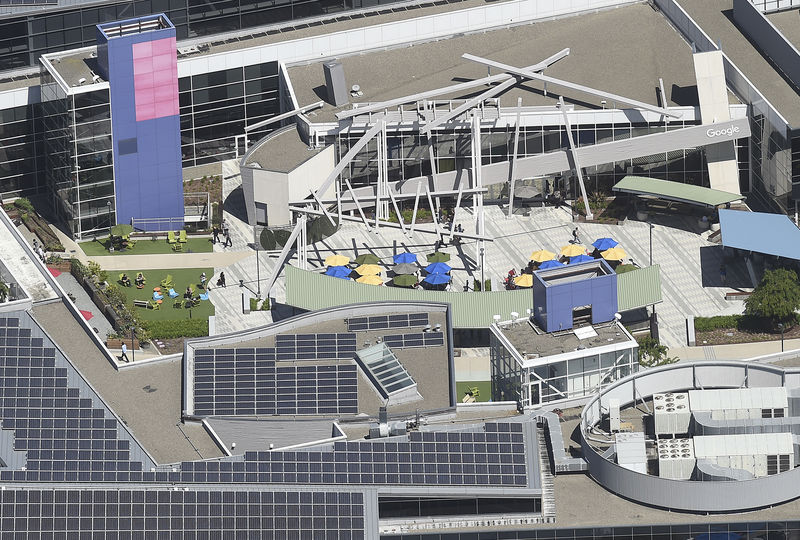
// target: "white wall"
[[406, 31], [310, 173]]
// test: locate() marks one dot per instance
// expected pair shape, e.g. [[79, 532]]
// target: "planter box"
[[117, 343], [65, 266]]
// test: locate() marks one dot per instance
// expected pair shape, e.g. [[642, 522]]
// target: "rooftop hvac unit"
[[631, 451], [741, 403], [676, 459], [335, 85], [671, 413], [613, 415]]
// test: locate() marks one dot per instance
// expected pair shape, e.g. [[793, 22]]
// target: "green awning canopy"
[[675, 191], [639, 288]]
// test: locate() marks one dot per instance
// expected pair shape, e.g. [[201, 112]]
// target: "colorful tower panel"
[[138, 58]]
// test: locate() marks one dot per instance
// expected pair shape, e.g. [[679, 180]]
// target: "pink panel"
[[155, 68], [142, 50]]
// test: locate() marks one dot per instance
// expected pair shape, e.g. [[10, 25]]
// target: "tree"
[[652, 353], [776, 298]]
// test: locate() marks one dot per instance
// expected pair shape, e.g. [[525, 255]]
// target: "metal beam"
[[513, 169], [322, 207], [313, 212], [403, 196], [527, 73], [467, 105], [397, 211], [575, 158], [455, 209], [284, 255], [448, 89], [433, 213], [283, 116], [358, 205], [348, 157], [414, 215]]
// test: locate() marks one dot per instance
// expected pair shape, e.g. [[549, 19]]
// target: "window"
[[261, 214]]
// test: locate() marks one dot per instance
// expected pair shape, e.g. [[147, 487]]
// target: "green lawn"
[[484, 387], [145, 246], [181, 278]]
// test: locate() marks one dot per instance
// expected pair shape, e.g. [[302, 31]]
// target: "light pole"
[[780, 327], [651, 227], [133, 346], [108, 206]]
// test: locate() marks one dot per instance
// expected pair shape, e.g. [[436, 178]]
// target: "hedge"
[[706, 324], [182, 328]]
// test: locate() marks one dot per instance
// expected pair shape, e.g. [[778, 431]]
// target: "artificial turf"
[[484, 388], [146, 246], [181, 278]]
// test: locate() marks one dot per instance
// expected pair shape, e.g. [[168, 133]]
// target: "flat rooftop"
[[76, 65], [148, 399], [788, 22], [254, 435], [528, 340], [292, 151], [715, 17], [602, 56], [573, 272], [20, 265]]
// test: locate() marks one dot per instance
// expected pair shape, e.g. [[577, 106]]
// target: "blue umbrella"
[[406, 258], [438, 268], [437, 279], [550, 264], [602, 244], [580, 259], [342, 272]]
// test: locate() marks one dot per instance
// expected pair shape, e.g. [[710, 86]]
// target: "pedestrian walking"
[[228, 242], [225, 229], [221, 280], [723, 273], [125, 352], [203, 280], [215, 235], [575, 236]]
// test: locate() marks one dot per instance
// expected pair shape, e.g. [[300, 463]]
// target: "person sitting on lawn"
[[188, 293], [203, 280], [139, 281], [125, 280]]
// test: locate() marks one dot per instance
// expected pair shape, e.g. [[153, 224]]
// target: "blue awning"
[[771, 234]]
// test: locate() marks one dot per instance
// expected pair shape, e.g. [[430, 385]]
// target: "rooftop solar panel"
[[248, 386], [382, 322]]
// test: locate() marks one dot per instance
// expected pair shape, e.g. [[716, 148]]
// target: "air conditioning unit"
[[671, 413], [613, 415], [676, 458]]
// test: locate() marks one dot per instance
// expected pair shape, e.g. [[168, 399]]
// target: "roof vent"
[[82, 80]]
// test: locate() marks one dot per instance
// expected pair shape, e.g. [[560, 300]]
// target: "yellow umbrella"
[[614, 254], [368, 270], [337, 260], [525, 280], [370, 280], [542, 255], [573, 250]]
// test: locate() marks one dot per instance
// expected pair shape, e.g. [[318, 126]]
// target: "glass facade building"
[[25, 36], [409, 156], [535, 381], [78, 168]]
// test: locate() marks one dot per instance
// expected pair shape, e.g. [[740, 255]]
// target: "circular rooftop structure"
[[706, 437]]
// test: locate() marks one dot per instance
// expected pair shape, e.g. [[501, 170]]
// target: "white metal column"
[[477, 183]]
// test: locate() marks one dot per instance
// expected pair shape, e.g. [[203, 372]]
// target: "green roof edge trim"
[[675, 191]]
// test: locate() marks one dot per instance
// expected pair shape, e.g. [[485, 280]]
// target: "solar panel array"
[[27, 2], [247, 381], [65, 436], [315, 346], [421, 339], [154, 513], [385, 368], [383, 322], [495, 457]]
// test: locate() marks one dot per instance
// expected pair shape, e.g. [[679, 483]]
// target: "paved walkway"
[[98, 322], [738, 351], [158, 261]]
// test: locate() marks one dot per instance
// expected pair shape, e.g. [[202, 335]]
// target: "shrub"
[[487, 285], [170, 329], [79, 270], [265, 305], [477, 285], [776, 298], [24, 205], [254, 304], [706, 324]]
